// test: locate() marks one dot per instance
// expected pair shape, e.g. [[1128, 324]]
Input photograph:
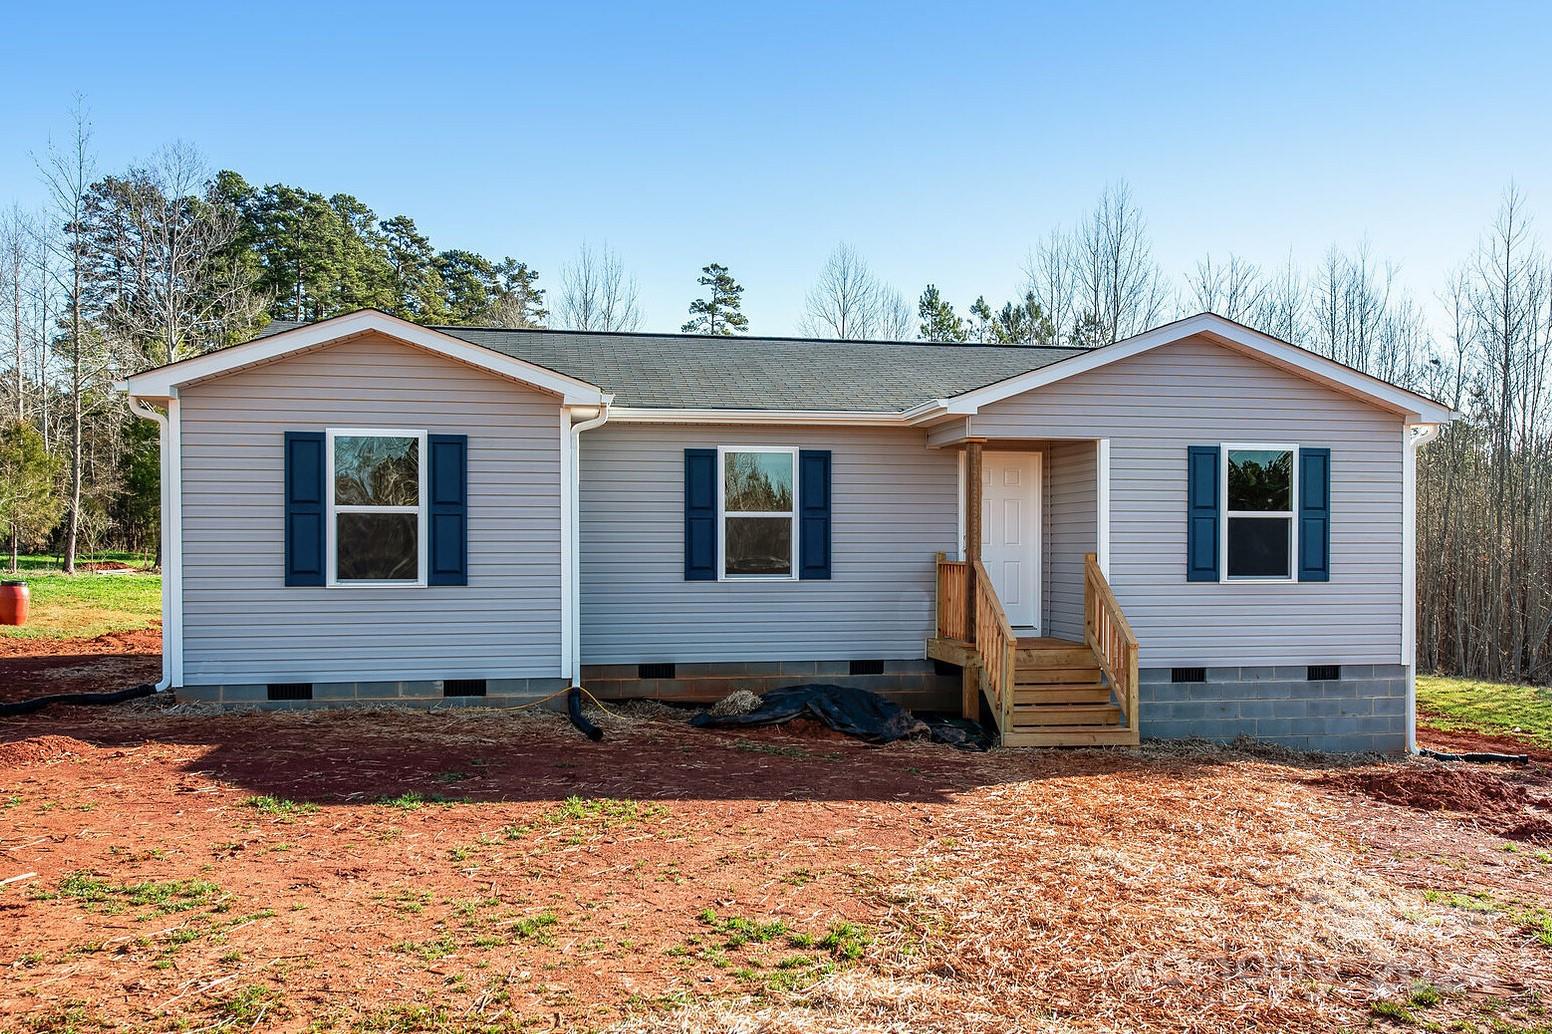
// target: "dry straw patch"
[[1164, 889]]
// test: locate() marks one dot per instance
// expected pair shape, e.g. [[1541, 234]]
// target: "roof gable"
[[1220, 331], [165, 380]]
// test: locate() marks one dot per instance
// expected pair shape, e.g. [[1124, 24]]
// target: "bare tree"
[[1485, 490], [1283, 300], [1052, 279], [846, 302], [1234, 289], [1359, 317], [68, 172], [896, 317], [1121, 290], [596, 294], [17, 236], [158, 239]]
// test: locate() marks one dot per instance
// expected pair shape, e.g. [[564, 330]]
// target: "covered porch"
[[1027, 610]]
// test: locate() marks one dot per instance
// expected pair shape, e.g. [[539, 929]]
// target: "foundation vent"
[[289, 690], [463, 687], [1188, 674], [1322, 673], [656, 671], [866, 668]]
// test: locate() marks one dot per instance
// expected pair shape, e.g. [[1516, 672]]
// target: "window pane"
[[1260, 479], [1258, 547], [758, 481], [759, 545], [377, 546], [371, 471]]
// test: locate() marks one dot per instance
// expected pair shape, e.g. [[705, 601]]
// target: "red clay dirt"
[[380, 870], [1515, 803], [117, 660]]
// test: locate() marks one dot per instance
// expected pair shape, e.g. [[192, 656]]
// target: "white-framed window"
[[757, 506], [376, 482], [1260, 499]]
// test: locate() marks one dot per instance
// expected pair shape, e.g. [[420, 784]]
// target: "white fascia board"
[[1232, 335], [649, 415], [159, 382], [926, 413]]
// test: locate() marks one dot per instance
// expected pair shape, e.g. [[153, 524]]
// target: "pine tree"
[[417, 287], [518, 300], [30, 504], [718, 315], [939, 321], [1023, 323], [981, 317]]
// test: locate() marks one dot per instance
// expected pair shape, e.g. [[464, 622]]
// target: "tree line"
[[165, 259]]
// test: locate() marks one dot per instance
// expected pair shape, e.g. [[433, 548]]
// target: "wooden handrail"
[[953, 599], [995, 642], [1110, 636]]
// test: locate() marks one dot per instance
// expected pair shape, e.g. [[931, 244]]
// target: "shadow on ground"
[[366, 756]]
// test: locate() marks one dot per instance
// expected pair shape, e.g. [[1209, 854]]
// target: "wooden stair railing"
[[1041, 692], [1110, 636], [995, 643], [953, 599]]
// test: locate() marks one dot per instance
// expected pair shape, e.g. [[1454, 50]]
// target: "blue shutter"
[[448, 510], [814, 513], [304, 507], [1203, 521], [1314, 515], [700, 515]]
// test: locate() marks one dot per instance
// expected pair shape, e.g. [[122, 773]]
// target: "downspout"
[[146, 412], [1417, 435], [574, 488]]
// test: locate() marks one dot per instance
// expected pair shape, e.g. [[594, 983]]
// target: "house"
[[1197, 531]]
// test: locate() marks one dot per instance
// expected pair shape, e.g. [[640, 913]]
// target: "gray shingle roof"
[[682, 371]]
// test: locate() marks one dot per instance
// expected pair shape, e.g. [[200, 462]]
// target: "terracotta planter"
[[13, 603]]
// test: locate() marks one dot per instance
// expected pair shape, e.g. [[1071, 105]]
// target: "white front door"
[[1010, 532]]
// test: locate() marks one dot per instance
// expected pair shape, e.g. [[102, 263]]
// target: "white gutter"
[[573, 580], [789, 417], [171, 514], [1417, 435]]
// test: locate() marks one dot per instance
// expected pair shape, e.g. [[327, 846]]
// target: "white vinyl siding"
[[1155, 405], [242, 625], [1070, 534], [893, 508]]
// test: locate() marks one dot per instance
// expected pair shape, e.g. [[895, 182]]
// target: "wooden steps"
[[1066, 715], [1041, 691], [1070, 736], [1069, 693], [1061, 698]]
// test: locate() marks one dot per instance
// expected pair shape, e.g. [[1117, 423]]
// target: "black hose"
[[145, 689], [574, 712], [1477, 758]]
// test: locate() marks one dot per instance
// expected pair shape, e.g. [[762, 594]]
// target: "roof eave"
[[676, 415]]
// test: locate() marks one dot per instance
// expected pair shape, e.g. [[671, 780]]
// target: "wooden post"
[[970, 692], [972, 527]]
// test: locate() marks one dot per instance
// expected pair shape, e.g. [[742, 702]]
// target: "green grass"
[[86, 605], [1531, 919], [1487, 707], [28, 563], [163, 898], [535, 925], [280, 807], [412, 799]]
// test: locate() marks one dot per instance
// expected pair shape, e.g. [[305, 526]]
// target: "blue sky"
[[940, 140]]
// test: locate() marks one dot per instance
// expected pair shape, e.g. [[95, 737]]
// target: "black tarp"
[[855, 712]]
